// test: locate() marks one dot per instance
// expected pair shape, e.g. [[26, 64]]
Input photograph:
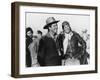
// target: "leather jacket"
[[77, 46]]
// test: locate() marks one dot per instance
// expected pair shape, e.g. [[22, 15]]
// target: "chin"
[[68, 32]]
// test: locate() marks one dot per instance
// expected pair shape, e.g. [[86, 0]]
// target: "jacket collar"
[[63, 34], [49, 35]]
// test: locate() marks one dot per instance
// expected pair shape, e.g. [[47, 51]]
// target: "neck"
[[51, 33]]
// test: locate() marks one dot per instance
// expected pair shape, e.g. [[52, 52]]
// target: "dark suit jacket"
[[75, 49], [47, 52]]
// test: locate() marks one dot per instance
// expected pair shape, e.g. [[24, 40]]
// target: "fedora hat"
[[50, 21]]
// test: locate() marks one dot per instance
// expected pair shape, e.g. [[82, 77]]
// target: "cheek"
[[56, 29], [67, 29], [53, 28], [28, 35]]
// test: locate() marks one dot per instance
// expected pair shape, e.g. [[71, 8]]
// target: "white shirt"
[[65, 42]]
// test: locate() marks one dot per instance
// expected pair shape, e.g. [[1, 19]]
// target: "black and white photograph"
[[54, 39], [57, 39]]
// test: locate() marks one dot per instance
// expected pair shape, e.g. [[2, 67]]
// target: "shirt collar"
[[51, 35]]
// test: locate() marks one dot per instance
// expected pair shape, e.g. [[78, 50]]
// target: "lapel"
[[49, 36], [53, 41], [72, 36], [63, 36]]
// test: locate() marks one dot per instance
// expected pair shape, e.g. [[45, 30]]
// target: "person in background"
[[29, 40], [47, 52], [86, 37], [39, 34], [71, 46], [31, 57], [37, 39]]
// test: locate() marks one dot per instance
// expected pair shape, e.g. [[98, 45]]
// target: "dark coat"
[[28, 54], [47, 52], [76, 50]]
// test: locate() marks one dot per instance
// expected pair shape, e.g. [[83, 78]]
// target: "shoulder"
[[75, 33], [43, 39]]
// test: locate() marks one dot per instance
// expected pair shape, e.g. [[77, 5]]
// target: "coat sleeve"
[[81, 41], [41, 52], [83, 58]]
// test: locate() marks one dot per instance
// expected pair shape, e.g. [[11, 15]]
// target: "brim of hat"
[[47, 25]]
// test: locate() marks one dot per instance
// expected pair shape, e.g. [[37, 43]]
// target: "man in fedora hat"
[[47, 52]]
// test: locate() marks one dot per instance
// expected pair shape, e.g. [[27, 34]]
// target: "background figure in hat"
[[47, 52], [71, 46]]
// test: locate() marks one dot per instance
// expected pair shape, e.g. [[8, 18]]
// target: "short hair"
[[39, 32], [29, 29], [65, 23], [49, 27]]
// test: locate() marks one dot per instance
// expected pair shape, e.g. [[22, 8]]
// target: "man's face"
[[29, 34], [54, 28], [67, 29]]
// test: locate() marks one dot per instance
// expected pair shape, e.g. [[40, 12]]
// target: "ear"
[[49, 27]]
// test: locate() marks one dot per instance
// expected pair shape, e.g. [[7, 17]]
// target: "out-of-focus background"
[[78, 23]]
